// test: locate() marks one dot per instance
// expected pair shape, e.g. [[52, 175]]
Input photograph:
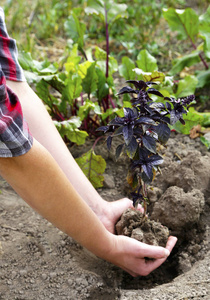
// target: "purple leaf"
[[145, 120], [132, 147], [127, 133], [109, 142], [125, 90], [148, 170], [163, 132], [103, 128], [154, 92], [149, 143], [119, 150], [155, 160]]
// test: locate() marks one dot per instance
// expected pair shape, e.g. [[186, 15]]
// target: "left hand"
[[113, 211]]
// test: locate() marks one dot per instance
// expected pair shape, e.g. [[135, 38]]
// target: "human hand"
[[112, 211], [130, 254]]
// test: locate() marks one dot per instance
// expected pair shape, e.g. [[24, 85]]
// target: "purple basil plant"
[[142, 128]]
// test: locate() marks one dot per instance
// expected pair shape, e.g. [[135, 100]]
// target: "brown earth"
[[37, 261], [134, 224]]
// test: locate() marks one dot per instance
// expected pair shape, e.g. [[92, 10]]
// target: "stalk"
[[144, 194], [107, 53], [107, 43], [200, 55]]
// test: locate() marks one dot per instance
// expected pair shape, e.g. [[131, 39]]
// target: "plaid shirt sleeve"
[[15, 137], [8, 54]]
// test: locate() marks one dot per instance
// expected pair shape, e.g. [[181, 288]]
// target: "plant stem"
[[107, 43], [112, 103], [144, 194], [200, 55], [96, 141]]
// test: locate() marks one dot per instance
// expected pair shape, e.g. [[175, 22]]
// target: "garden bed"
[[37, 261]]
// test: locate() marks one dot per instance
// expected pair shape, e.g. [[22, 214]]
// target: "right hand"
[[129, 254]]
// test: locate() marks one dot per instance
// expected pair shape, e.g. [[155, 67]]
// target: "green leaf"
[[184, 21], [87, 107], [69, 129], [205, 142], [150, 76], [89, 83], [55, 81], [206, 48], [77, 136], [186, 86], [41, 68], [100, 55], [204, 30], [203, 78], [93, 167], [83, 67], [114, 10], [75, 29], [96, 7], [112, 112], [72, 89], [184, 61], [146, 62], [73, 60], [126, 68], [204, 117], [102, 86], [42, 90], [31, 77], [72, 123]]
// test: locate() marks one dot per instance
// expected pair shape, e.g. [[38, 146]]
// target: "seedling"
[[142, 128]]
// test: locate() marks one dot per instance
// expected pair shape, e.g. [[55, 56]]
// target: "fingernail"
[[167, 252]]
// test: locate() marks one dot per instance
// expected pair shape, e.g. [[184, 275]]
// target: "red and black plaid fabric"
[[15, 138]]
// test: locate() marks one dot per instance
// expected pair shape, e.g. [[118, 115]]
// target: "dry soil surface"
[[37, 261]]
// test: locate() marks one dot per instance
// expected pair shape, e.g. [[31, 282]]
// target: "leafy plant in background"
[[196, 29], [142, 128]]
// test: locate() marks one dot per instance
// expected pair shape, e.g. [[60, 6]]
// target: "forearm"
[[43, 129], [37, 178]]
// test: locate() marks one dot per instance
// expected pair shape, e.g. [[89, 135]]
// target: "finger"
[[140, 208], [152, 265], [129, 203], [156, 252], [171, 242]]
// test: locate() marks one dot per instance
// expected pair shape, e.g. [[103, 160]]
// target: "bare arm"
[[43, 129], [43, 185]]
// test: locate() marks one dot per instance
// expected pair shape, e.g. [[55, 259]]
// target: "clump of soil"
[[135, 225], [179, 210]]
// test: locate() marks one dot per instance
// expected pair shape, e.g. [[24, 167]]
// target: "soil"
[[135, 225], [37, 261]]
